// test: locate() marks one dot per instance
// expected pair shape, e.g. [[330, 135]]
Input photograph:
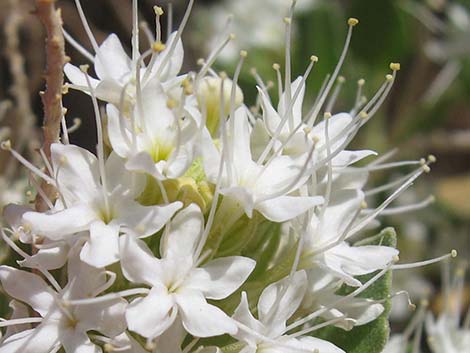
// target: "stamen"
[[135, 31], [158, 27], [277, 68], [111, 296], [41, 192], [318, 326], [405, 209], [331, 102], [26, 320], [78, 46], [177, 37], [77, 122], [452, 254], [106, 285], [353, 294], [99, 131], [144, 26], [20, 252], [169, 24], [351, 23], [6, 146], [213, 56]]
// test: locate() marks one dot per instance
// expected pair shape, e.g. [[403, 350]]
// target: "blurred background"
[[428, 111]]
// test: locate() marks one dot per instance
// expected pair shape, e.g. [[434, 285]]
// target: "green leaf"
[[372, 337]]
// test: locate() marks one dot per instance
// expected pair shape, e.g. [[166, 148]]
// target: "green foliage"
[[372, 337]]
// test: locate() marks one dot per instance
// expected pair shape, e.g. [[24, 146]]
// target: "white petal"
[[185, 228], [27, 287], [200, 318], [143, 162], [297, 106], [120, 181], [119, 135], [312, 343], [19, 311], [113, 61], [77, 77], [102, 249], [138, 263], [243, 315], [287, 304], [146, 220], [106, 317], [58, 225], [175, 62], [48, 258], [270, 116], [221, 277], [284, 208], [77, 342], [110, 90], [345, 158], [244, 197], [39, 340], [77, 170], [241, 138], [348, 261], [152, 315]]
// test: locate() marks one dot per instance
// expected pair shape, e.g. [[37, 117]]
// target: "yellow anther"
[[352, 21], [395, 66], [158, 47], [29, 193], [223, 75], [424, 302], [426, 168], [431, 158], [314, 58], [84, 68], [388, 77], [243, 53], [326, 115], [64, 111], [363, 115], [363, 205], [108, 347], [412, 306], [185, 83], [432, 199], [361, 82], [200, 62], [158, 10], [316, 139], [65, 89], [453, 253], [287, 20], [307, 130], [276, 66], [341, 79], [6, 145], [395, 258], [232, 36], [171, 103], [422, 161]]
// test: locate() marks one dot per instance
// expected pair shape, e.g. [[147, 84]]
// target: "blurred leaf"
[[453, 193]]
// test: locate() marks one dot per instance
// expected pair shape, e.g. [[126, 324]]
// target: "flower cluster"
[[199, 217]]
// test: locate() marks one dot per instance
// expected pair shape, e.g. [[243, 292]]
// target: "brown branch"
[[52, 97]]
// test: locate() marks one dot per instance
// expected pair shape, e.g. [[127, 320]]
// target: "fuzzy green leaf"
[[372, 337]]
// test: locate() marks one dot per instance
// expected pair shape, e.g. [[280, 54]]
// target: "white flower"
[[117, 72], [275, 306], [179, 286], [325, 240], [61, 323], [264, 188], [89, 205], [320, 295], [157, 140]]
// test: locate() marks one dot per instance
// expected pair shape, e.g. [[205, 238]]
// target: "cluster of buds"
[[198, 217]]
